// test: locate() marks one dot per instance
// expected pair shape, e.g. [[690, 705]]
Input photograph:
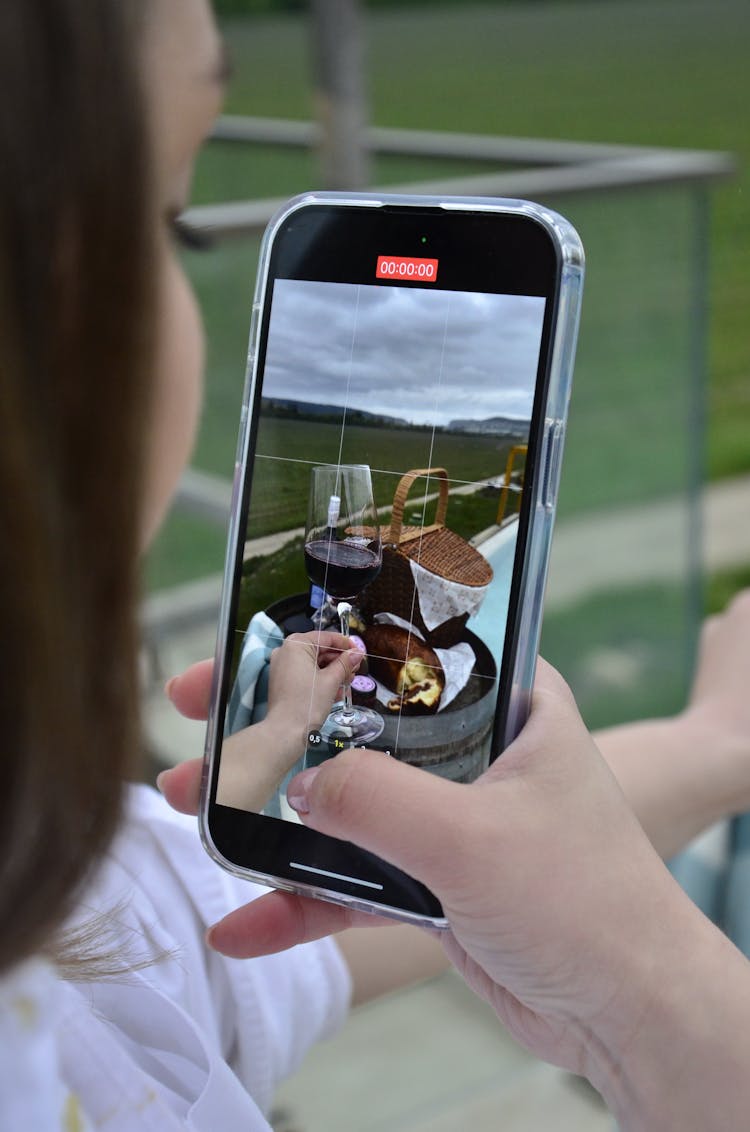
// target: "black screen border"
[[479, 251]]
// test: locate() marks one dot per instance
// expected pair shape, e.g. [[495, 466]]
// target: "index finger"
[[181, 785], [280, 920], [190, 691]]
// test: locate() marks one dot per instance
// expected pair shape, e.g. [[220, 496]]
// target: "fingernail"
[[297, 790], [169, 686], [160, 780]]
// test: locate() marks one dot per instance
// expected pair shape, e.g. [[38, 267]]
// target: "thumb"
[[410, 818]]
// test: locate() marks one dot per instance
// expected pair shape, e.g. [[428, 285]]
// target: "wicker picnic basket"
[[437, 550]]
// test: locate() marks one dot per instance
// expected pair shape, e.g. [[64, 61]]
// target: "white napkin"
[[440, 600]]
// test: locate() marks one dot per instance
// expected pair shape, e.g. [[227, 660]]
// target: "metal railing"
[[547, 167]]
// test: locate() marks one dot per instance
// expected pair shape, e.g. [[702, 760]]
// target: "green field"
[[663, 73], [667, 73], [281, 486]]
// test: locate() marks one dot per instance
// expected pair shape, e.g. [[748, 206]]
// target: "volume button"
[[552, 464]]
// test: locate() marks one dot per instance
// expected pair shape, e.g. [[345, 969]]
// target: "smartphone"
[[401, 434]]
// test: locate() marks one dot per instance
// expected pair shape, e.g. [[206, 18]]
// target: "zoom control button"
[[338, 742]]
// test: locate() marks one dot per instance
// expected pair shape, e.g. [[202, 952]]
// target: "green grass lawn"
[[659, 72], [663, 73], [280, 490]]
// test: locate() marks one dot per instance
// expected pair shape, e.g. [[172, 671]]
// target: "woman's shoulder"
[[161, 852], [65, 1065], [160, 891], [156, 885], [33, 1093]]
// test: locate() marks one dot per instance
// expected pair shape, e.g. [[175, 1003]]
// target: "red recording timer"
[[407, 267]]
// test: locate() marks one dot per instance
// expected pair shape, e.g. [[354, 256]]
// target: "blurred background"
[[654, 512]]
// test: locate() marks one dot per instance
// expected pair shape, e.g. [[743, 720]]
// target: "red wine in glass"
[[342, 569], [343, 554]]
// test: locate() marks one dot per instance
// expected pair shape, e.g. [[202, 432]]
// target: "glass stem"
[[347, 714]]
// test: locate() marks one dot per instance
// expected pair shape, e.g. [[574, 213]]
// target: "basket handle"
[[399, 498]]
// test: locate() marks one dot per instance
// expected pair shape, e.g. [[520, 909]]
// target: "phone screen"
[[395, 422]]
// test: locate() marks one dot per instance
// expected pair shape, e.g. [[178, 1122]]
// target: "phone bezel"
[[262, 847]]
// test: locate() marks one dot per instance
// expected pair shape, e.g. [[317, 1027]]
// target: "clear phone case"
[[535, 561]]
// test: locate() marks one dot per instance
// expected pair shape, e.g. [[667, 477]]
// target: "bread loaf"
[[406, 666]]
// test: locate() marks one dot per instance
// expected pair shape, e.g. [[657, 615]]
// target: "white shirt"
[[193, 1040]]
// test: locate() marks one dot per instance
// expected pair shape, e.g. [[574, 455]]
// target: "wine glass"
[[343, 554]]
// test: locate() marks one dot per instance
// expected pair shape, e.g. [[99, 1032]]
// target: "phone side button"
[[552, 464]]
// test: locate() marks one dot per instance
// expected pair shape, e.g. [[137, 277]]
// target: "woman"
[[104, 108]]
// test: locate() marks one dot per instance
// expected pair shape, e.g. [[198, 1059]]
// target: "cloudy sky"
[[423, 355]]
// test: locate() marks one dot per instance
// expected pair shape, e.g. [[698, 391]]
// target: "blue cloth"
[[248, 702], [715, 872]]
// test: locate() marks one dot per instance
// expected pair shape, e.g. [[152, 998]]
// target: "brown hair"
[[76, 295]]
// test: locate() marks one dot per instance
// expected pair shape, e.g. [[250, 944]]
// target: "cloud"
[[424, 355]]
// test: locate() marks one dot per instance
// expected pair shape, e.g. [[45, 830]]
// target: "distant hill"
[[307, 410], [289, 409], [492, 426]]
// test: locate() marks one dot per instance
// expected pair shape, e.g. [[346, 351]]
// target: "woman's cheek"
[[177, 393]]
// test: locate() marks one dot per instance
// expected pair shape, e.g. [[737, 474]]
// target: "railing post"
[[340, 98]]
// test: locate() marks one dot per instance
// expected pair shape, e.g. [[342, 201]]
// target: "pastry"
[[406, 666]]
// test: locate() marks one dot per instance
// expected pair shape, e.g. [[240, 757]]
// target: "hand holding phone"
[[422, 348]]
